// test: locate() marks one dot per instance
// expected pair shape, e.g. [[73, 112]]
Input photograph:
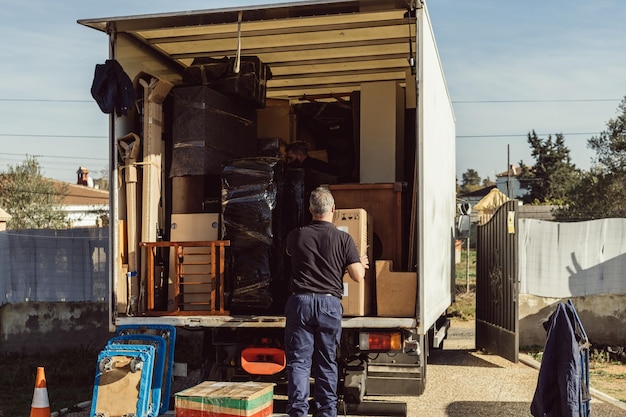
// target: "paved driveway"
[[462, 382]]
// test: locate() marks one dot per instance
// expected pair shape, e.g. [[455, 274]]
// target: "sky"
[[511, 67]]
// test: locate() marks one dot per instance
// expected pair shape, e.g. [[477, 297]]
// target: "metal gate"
[[497, 327]]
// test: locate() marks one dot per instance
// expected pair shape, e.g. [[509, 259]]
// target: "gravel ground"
[[463, 382]]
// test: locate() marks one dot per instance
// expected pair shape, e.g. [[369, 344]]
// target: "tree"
[[471, 181], [32, 200], [598, 195], [102, 181], [553, 176], [602, 191], [610, 145]]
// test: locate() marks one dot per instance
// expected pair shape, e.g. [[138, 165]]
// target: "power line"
[[523, 135], [567, 100], [43, 100], [573, 100], [53, 136], [54, 156]]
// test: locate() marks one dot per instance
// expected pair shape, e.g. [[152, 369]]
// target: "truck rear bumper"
[[190, 321]]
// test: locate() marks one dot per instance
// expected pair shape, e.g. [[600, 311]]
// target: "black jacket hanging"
[[112, 88]]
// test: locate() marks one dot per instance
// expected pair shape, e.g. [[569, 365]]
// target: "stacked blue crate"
[[134, 372]]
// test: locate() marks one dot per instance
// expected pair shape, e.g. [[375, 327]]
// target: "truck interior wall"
[[436, 173], [382, 132], [135, 60]]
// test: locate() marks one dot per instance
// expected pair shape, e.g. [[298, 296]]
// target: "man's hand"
[[365, 261]]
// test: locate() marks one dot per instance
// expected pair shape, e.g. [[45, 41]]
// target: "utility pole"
[[467, 285], [508, 171]]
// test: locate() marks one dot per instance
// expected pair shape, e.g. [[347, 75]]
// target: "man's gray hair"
[[321, 201]]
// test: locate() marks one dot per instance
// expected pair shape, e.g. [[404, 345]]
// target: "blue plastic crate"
[[123, 380], [156, 387], [168, 333]]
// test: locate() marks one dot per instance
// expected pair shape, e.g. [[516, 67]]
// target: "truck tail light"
[[380, 341]]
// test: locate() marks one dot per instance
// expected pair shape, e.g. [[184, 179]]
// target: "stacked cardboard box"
[[225, 399], [396, 292]]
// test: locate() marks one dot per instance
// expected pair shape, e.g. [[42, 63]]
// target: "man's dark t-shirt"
[[320, 253]]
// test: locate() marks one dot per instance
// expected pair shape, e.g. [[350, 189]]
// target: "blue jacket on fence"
[[559, 383]]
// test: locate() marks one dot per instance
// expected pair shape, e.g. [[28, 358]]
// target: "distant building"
[[83, 177], [4, 218], [509, 184], [475, 196], [85, 206]]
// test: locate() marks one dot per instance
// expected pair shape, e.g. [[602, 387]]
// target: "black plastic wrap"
[[251, 208], [208, 130], [294, 204], [268, 147], [248, 84]]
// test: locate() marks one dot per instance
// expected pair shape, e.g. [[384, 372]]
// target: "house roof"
[[481, 192], [80, 195], [4, 216], [513, 171]]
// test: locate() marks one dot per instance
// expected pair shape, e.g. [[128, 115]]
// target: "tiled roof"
[[513, 171], [481, 192], [80, 195], [4, 216]]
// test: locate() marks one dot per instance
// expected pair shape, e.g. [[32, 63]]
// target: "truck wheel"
[[421, 387]]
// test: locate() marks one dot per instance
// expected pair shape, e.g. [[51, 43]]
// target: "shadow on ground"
[[460, 357]]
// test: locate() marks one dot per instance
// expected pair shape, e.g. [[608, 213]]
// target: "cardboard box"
[[189, 228], [225, 399], [276, 120], [358, 297], [396, 292]]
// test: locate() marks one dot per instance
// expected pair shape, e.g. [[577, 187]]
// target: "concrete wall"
[[46, 327], [603, 318]]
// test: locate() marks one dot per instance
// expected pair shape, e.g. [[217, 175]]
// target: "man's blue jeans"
[[312, 333]]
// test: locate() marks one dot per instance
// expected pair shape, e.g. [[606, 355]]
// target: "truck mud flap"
[[168, 334], [122, 382], [158, 401]]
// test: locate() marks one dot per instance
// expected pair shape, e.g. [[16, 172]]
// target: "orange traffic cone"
[[40, 406]]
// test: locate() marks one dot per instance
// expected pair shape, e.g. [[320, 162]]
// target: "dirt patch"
[[609, 378]]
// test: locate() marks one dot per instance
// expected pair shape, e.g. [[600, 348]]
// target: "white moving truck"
[[197, 174]]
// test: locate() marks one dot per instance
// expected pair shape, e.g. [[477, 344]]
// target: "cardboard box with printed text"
[[358, 297]]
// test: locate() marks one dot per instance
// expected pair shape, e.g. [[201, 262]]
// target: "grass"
[[69, 378], [464, 306], [466, 272], [607, 375]]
